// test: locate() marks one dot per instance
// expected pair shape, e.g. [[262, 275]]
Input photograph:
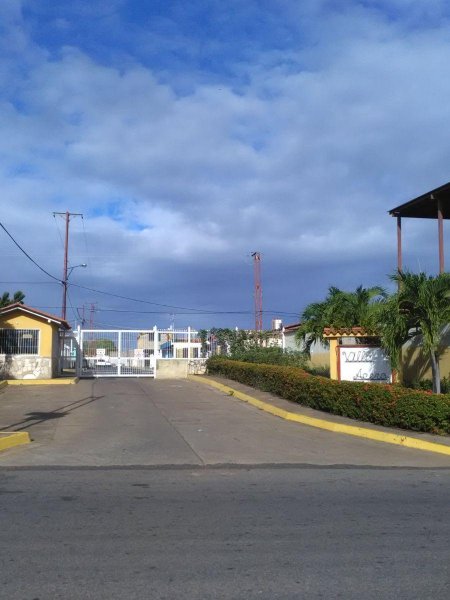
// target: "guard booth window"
[[19, 341]]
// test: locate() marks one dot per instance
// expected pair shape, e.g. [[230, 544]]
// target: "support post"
[[334, 368], [66, 251], [119, 353], [66, 271], [441, 236], [399, 244], [79, 354], [155, 350], [189, 343]]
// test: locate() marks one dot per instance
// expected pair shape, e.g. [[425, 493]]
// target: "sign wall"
[[364, 363]]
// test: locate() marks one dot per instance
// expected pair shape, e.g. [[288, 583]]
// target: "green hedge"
[[387, 405]]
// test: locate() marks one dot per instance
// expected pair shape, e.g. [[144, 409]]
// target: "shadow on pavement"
[[35, 418]]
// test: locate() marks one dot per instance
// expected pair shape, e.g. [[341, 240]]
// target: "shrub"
[[270, 356], [322, 370], [387, 405], [427, 384]]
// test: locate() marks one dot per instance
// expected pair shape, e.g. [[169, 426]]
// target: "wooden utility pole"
[[66, 216]]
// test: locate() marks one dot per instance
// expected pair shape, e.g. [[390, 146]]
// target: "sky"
[[191, 134]]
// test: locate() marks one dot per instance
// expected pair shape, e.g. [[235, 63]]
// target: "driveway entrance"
[[154, 422]]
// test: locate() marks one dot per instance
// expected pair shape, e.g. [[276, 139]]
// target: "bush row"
[[387, 405], [427, 385], [270, 356]]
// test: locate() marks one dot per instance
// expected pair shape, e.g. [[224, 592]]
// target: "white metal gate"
[[114, 353], [132, 353]]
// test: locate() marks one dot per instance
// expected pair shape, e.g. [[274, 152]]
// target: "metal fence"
[[19, 341]]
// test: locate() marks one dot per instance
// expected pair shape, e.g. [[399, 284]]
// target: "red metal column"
[[258, 291], [441, 236]]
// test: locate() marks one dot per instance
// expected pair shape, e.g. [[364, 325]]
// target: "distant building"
[[320, 354], [171, 344]]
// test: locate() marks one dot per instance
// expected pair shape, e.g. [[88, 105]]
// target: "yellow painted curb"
[[362, 432], [3, 384], [9, 439], [58, 381]]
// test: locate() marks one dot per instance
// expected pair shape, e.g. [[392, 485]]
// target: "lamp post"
[[67, 273]]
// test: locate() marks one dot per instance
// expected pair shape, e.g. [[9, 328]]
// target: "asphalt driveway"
[[146, 422]]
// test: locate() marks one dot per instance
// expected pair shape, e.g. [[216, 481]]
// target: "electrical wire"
[[128, 298], [89, 258], [28, 256], [71, 306], [198, 311], [59, 232]]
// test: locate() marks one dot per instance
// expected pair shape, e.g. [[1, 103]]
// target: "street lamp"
[[66, 279], [70, 269]]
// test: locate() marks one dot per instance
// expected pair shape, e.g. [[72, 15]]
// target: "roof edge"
[[36, 312]]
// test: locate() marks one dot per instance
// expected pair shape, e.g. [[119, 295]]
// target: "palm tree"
[[5, 299], [421, 306], [340, 309]]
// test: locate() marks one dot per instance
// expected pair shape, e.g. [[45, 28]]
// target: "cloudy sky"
[[191, 134]]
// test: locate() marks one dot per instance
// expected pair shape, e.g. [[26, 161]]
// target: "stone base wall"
[[197, 366], [25, 367]]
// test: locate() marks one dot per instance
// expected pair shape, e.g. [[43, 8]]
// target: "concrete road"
[[122, 422], [204, 533], [123, 494]]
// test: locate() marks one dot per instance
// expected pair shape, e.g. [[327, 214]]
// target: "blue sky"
[[191, 134]]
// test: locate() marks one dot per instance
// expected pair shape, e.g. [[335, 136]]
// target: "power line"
[[28, 256], [128, 298], [217, 312], [93, 289], [164, 312], [59, 232], [84, 287]]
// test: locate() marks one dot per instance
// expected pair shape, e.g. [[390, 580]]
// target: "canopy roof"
[[426, 205]]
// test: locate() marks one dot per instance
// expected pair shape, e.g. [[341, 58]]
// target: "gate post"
[[119, 352], [79, 354], [155, 349]]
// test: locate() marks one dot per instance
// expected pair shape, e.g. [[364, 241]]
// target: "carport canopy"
[[431, 205]]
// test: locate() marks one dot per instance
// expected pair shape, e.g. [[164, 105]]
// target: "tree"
[[233, 341], [421, 306], [91, 346], [340, 309], [203, 335], [5, 299]]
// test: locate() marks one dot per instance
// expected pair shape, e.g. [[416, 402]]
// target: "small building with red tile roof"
[[30, 346]]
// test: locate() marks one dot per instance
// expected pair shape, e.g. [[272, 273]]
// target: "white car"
[[103, 362]]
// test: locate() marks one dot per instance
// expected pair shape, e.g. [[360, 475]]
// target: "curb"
[[9, 439], [354, 430], [62, 381]]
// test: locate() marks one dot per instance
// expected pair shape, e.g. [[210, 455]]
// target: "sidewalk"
[[278, 406]]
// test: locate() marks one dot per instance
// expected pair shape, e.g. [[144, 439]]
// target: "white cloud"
[[301, 163]]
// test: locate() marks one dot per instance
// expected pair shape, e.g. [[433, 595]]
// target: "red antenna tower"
[[258, 291]]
